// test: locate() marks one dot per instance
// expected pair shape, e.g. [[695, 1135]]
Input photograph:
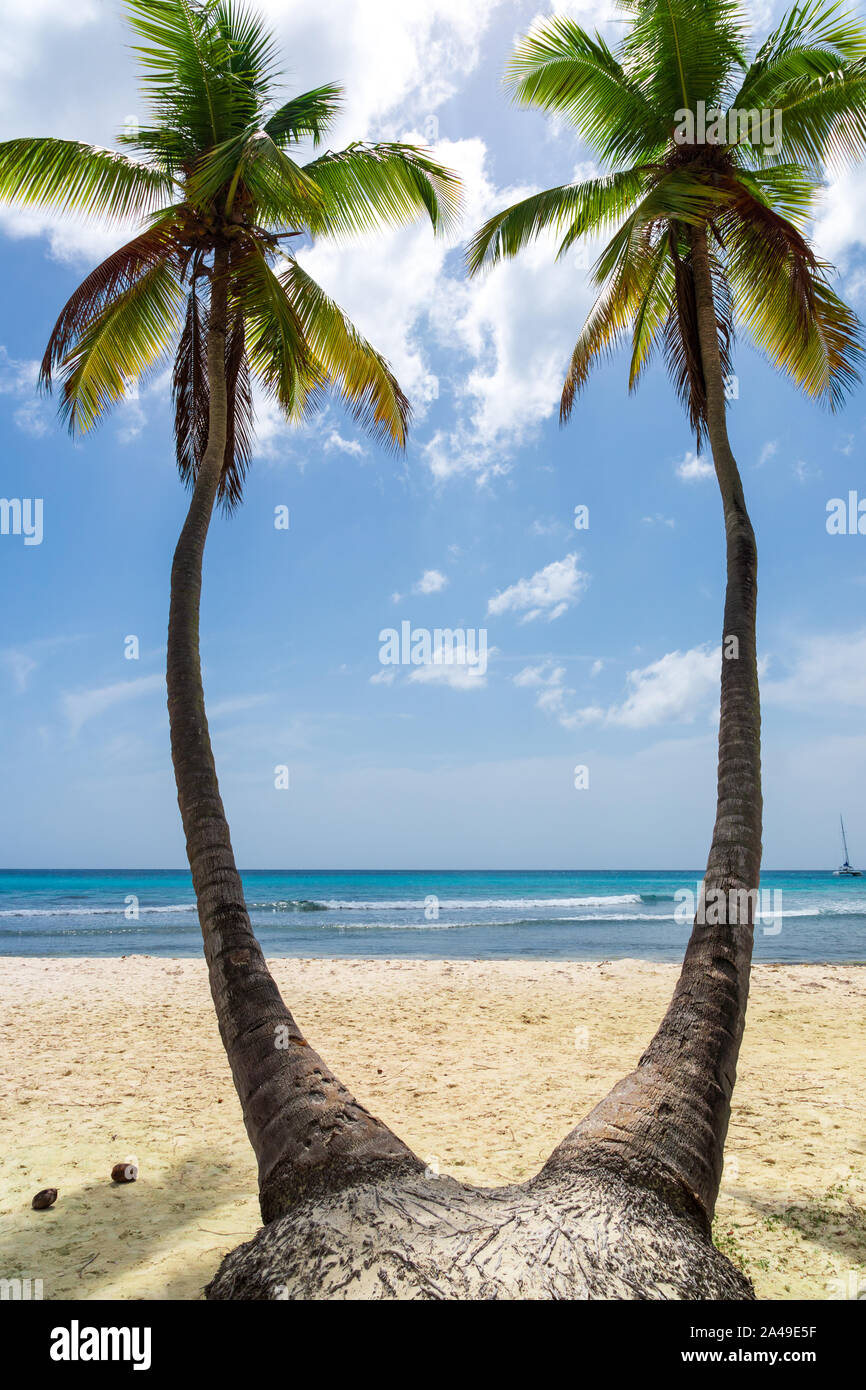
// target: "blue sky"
[[602, 640]]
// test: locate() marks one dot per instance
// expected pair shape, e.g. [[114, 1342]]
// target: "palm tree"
[[706, 235], [211, 280]]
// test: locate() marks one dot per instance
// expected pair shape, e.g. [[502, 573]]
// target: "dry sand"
[[481, 1067]]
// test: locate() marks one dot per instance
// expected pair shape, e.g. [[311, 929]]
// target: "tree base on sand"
[[584, 1232]]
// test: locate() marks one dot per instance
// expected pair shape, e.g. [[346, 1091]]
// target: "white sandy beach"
[[480, 1066]]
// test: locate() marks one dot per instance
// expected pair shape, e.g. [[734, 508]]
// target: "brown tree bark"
[[299, 1118]]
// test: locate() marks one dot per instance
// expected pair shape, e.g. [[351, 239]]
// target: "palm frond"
[[682, 51], [208, 66], [70, 176], [309, 115], [560, 68], [119, 346], [681, 339], [347, 362], [251, 160], [821, 119], [813, 41], [784, 298], [241, 417], [580, 208], [278, 351], [628, 282], [190, 392], [191, 395], [369, 186], [652, 313], [111, 278]]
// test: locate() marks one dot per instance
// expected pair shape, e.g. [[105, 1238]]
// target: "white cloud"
[[658, 520], [546, 528], [826, 668], [770, 449], [406, 56], [504, 392], [456, 665], [453, 658], [675, 689], [18, 379], [548, 594], [551, 695], [22, 665], [346, 446], [840, 227], [693, 467], [88, 704], [431, 582]]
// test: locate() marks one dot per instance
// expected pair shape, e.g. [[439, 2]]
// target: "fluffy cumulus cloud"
[[676, 689], [504, 393], [840, 230], [459, 665], [694, 467], [452, 657], [549, 593], [398, 60], [684, 686], [552, 696], [431, 582]]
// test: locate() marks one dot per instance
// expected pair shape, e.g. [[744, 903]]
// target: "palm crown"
[[217, 168], [755, 199]]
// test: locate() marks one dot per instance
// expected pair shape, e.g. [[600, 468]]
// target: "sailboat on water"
[[845, 870]]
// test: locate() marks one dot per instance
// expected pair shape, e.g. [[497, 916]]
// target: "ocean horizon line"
[[586, 869]]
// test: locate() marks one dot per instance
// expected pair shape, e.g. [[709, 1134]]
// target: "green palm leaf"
[[119, 346], [279, 353], [347, 361], [560, 68], [113, 277], [578, 208], [366, 186], [69, 176], [309, 115]]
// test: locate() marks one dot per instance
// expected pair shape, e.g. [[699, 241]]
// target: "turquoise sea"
[[570, 915]]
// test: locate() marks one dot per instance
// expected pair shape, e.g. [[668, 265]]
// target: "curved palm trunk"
[[299, 1118], [668, 1120]]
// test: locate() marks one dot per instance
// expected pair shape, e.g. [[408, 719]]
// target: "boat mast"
[[844, 843]]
